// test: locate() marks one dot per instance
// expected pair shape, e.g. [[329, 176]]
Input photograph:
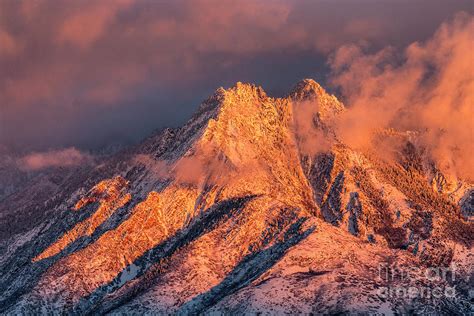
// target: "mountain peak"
[[245, 91], [244, 201], [306, 89], [239, 91], [310, 90]]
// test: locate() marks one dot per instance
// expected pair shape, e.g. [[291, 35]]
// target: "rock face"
[[232, 213], [467, 205]]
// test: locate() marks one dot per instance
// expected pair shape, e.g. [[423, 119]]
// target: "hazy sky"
[[88, 73]]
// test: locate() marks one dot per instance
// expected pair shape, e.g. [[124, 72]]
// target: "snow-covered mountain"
[[245, 209]]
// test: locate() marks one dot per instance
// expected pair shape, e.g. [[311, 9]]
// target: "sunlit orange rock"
[[111, 195]]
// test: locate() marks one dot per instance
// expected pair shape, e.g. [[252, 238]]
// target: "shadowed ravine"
[[248, 270], [208, 219]]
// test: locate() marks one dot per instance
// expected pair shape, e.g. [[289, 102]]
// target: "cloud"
[[83, 27], [8, 45], [311, 137], [68, 157], [205, 165], [157, 168], [85, 72], [428, 89], [210, 163]]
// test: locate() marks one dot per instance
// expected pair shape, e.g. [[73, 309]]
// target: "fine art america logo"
[[400, 277]]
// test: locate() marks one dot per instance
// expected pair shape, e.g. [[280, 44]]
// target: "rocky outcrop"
[[467, 205]]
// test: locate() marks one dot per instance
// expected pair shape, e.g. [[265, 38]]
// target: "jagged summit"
[[247, 89], [303, 90], [241, 91], [306, 89]]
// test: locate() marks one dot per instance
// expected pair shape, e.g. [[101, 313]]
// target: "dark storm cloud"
[[84, 73]]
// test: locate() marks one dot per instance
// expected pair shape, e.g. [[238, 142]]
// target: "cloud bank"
[[428, 89], [68, 157], [310, 136], [86, 72]]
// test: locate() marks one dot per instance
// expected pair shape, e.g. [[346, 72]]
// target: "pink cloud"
[[85, 26], [55, 158], [430, 92], [8, 45], [310, 138]]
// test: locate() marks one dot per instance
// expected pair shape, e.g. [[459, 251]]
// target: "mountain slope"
[[242, 210]]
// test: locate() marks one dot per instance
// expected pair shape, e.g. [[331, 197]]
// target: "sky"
[[85, 74]]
